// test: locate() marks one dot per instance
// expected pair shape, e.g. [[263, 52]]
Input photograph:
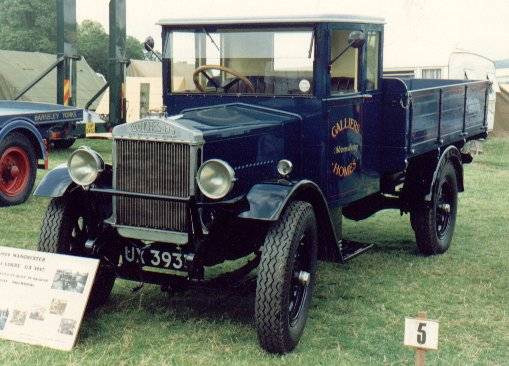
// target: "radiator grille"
[[152, 167]]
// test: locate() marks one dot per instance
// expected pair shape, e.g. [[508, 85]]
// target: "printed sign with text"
[[43, 296]]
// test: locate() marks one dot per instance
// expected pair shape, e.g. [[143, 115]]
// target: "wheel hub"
[[303, 277], [300, 281], [443, 209], [14, 171]]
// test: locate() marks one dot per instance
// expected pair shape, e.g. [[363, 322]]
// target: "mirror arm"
[[154, 53], [340, 54]]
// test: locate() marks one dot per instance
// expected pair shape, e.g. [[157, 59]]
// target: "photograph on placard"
[[4, 314], [38, 313], [67, 326], [57, 307], [70, 281], [18, 317]]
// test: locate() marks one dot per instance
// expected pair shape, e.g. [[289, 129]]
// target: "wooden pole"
[[420, 354]]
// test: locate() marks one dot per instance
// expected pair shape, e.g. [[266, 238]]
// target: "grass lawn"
[[358, 311]]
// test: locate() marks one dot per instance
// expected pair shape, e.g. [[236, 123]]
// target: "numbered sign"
[[89, 128], [420, 333]]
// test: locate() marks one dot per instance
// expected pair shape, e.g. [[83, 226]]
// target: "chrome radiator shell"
[[153, 167], [157, 157]]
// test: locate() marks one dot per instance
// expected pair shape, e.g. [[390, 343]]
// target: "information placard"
[[43, 296]]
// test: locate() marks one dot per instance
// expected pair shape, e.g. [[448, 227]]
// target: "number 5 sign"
[[421, 333]]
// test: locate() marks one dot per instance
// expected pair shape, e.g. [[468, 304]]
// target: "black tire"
[[17, 196], [282, 302], [64, 144], [68, 223], [434, 221]]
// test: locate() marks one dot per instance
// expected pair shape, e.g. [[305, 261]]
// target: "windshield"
[[247, 61]]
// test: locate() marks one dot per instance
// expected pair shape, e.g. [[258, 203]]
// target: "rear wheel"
[[286, 279], [434, 221], [18, 168], [67, 225]]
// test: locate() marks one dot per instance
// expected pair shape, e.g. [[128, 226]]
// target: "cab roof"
[[315, 18]]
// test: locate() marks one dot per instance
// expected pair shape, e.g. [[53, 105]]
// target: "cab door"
[[350, 120]]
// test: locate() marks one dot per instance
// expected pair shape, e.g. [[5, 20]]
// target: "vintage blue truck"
[[25, 131], [275, 129]]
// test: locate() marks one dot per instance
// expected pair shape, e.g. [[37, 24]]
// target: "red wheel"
[[17, 169]]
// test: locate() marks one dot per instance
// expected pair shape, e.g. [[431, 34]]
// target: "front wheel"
[[434, 221], [67, 225], [286, 279]]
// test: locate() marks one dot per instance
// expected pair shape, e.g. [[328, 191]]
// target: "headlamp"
[[84, 166]]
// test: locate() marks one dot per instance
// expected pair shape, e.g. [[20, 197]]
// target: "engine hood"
[[209, 124], [233, 120], [250, 138]]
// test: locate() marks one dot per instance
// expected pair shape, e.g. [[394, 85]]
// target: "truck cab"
[[274, 130], [305, 67]]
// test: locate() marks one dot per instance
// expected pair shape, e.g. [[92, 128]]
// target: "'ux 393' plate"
[[154, 256]]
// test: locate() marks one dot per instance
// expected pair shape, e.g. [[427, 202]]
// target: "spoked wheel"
[[301, 278], [69, 222], [17, 169], [286, 279], [446, 200], [433, 222]]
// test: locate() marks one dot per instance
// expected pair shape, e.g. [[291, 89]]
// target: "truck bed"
[[422, 115], [53, 122], [39, 113]]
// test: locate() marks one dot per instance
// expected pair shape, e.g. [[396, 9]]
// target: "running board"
[[350, 249]]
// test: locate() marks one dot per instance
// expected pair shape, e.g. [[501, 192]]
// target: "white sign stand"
[[43, 296]]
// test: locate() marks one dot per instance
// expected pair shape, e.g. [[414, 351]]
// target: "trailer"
[[280, 128], [25, 129]]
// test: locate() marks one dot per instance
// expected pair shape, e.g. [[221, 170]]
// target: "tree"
[[31, 25], [93, 45], [134, 48], [28, 25]]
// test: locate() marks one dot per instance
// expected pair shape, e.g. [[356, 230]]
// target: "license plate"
[[89, 128], [154, 257]]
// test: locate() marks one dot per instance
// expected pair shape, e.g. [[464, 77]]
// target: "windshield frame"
[[213, 28]]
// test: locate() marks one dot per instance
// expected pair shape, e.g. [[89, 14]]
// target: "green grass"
[[358, 310]]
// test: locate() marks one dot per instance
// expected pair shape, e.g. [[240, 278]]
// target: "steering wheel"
[[238, 77]]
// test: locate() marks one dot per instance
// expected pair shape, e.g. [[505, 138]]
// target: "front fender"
[[58, 182], [55, 183], [267, 202]]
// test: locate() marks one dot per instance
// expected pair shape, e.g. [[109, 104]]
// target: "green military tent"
[[18, 69], [144, 68]]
